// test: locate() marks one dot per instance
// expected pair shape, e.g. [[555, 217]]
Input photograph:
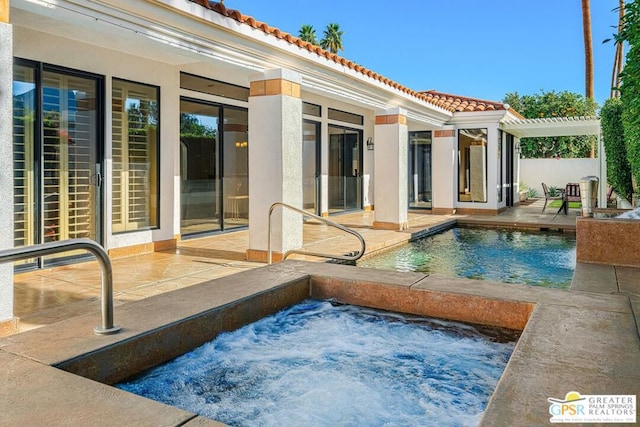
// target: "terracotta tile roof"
[[447, 102], [465, 104], [220, 8]]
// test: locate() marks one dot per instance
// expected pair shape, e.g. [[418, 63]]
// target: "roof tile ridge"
[[238, 16]]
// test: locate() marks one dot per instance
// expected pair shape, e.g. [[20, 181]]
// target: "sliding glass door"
[[57, 168], [214, 165], [420, 170], [345, 169], [199, 169], [310, 165]]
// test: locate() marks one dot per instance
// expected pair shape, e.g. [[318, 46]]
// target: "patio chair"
[[572, 191], [548, 196], [571, 194]]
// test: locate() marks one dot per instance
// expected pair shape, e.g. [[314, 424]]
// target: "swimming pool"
[[321, 363], [504, 255]]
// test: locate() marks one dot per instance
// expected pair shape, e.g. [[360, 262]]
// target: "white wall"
[[556, 172], [54, 50]]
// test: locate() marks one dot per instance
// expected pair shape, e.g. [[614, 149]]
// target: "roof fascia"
[[467, 117], [319, 74]]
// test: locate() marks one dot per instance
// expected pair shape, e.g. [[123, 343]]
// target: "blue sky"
[[481, 49]]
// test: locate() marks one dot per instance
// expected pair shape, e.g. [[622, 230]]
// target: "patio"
[[47, 296], [584, 339]]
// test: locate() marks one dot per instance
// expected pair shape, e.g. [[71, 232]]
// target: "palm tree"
[[588, 48], [308, 34], [618, 62], [332, 40]]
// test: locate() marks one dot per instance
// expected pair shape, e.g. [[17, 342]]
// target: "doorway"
[[57, 159], [420, 196], [310, 166], [214, 167], [345, 169]]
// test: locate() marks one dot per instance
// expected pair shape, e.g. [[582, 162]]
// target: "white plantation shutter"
[[134, 156], [23, 143], [69, 118]]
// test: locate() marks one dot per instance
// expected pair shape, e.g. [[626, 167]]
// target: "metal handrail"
[[356, 256], [106, 272]]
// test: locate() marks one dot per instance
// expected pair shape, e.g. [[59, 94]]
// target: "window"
[[213, 87], [135, 156], [472, 165], [343, 116], [311, 109]]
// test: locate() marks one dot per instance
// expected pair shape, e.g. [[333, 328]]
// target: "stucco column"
[[275, 162], [390, 170], [8, 324], [444, 166]]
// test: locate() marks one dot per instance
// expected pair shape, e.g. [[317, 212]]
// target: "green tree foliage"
[[630, 88], [618, 167], [142, 116], [190, 126], [308, 34], [549, 105], [332, 40]]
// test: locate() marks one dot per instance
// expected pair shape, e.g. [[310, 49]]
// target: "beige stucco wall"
[[608, 241], [6, 173]]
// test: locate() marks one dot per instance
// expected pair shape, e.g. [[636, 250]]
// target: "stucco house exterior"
[[137, 123]]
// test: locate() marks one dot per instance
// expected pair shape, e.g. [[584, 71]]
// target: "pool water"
[[320, 363], [510, 256]]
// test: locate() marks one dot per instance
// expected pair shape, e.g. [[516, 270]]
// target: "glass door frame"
[[358, 176], [412, 155], [317, 164], [220, 196], [96, 177], [510, 169]]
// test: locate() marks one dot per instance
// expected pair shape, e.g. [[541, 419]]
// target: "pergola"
[[564, 126]]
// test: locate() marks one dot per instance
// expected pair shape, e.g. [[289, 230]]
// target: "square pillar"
[[391, 170], [275, 162], [8, 324], [444, 170]]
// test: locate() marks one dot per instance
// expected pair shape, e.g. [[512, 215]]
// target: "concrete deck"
[[585, 339]]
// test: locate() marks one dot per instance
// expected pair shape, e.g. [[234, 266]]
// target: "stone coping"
[[572, 341]]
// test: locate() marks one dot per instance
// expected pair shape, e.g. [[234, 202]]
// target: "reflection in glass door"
[[69, 133], [235, 175], [57, 176], [420, 170], [214, 167], [199, 171], [345, 169], [310, 146]]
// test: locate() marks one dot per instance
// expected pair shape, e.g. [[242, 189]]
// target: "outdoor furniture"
[[548, 196], [571, 194]]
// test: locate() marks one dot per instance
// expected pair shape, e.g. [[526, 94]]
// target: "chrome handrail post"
[[106, 271], [353, 257]]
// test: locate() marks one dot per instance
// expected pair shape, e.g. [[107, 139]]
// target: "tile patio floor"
[[47, 296], [586, 338]]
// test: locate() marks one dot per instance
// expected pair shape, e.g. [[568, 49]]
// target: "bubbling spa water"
[[320, 363], [632, 214]]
